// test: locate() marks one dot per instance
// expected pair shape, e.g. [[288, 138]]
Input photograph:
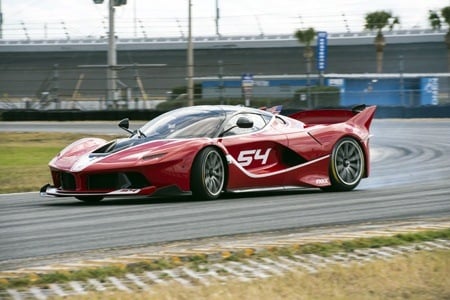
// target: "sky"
[[46, 19]]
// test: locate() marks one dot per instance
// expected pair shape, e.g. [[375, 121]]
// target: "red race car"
[[208, 150]]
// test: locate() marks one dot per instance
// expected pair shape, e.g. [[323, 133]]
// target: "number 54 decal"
[[246, 157]]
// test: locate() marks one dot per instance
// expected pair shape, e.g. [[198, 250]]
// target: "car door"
[[256, 152]]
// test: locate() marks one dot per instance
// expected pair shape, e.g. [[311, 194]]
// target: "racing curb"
[[217, 249]]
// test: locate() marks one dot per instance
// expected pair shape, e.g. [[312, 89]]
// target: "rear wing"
[[360, 115]]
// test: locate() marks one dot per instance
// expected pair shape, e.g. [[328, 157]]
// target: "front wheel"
[[208, 174], [347, 165]]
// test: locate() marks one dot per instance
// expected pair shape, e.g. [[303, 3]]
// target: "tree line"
[[379, 20]]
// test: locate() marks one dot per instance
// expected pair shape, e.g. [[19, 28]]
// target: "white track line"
[[298, 264], [97, 285], [118, 284], [177, 278], [137, 281], [38, 293], [232, 271], [154, 278], [195, 275], [57, 290], [14, 294]]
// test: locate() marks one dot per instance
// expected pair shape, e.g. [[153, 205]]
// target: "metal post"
[[308, 56], [55, 87], [111, 74], [134, 18], [190, 61], [136, 87], [221, 85], [217, 18], [1, 21], [402, 84], [308, 85]]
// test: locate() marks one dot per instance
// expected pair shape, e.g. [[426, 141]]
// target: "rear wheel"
[[346, 166], [90, 199], [208, 174]]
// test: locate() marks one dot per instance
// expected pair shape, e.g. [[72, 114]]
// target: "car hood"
[[86, 153]]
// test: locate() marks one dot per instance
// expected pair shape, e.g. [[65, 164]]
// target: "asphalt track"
[[410, 179]]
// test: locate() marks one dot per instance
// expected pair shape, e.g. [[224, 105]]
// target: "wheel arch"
[[364, 149], [222, 151]]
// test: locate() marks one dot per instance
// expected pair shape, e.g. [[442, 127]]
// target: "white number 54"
[[246, 157]]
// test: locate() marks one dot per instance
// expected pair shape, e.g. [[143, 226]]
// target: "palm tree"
[[435, 20], [377, 21], [306, 37], [445, 12]]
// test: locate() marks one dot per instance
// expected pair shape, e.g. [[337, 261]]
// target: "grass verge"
[[194, 262], [25, 157], [422, 275]]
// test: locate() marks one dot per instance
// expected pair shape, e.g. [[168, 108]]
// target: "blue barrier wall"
[[384, 92], [429, 91], [271, 88], [398, 91]]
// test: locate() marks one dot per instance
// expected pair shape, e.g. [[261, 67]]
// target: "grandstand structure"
[[214, 42], [70, 73]]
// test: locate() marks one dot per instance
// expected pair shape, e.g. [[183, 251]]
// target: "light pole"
[[217, 18], [190, 60], [111, 73], [1, 21]]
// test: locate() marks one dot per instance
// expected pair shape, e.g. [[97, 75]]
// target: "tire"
[[347, 165], [208, 174], [90, 199]]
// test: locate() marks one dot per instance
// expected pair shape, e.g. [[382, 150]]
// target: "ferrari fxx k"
[[207, 150]]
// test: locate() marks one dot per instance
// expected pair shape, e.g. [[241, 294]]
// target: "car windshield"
[[185, 123]]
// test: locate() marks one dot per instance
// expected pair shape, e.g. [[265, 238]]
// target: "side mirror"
[[125, 124], [244, 122]]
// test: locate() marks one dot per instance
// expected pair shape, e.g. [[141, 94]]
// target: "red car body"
[[207, 150]]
